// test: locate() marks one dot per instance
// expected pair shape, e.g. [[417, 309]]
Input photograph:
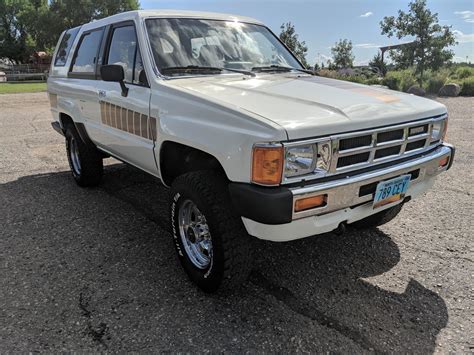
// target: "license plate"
[[391, 190]]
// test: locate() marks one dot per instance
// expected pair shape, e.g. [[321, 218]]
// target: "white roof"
[[130, 15]]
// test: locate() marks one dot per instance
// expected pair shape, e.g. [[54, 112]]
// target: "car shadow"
[[109, 250]]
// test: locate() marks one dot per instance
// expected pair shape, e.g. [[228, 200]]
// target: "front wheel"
[[211, 241]]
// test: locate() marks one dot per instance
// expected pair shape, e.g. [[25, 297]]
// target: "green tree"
[[27, 25], [342, 54], [429, 48], [13, 36], [378, 63], [289, 36]]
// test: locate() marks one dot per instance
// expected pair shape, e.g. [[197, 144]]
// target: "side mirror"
[[114, 72]]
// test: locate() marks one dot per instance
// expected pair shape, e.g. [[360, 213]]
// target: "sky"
[[320, 23]]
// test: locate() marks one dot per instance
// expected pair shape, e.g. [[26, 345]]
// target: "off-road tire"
[[231, 261], [90, 159], [379, 218]]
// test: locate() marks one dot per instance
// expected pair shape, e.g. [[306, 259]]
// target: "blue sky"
[[322, 22]]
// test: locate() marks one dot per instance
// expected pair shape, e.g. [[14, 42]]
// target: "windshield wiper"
[[280, 68], [197, 68]]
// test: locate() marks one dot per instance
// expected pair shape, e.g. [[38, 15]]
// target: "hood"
[[310, 106]]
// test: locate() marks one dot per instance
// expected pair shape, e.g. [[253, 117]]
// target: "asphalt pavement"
[[95, 270]]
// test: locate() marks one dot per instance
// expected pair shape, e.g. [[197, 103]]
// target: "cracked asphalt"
[[95, 269]]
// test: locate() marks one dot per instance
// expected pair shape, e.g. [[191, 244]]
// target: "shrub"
[[400, 80], [374, 81], [467, 87], [353, 78], [463, 72], [434, 84], [392, 80]]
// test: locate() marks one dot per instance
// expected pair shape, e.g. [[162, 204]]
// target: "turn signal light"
[[310, 202], [267, 165], [443, 162]]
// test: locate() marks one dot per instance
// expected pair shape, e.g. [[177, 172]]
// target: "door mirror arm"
[[114, 72], [124, 88]]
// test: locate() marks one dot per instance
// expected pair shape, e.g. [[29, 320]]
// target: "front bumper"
[[269, 213]]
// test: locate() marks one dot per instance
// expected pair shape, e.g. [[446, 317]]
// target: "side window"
[[124, 51], [86, 55], [65, 47]]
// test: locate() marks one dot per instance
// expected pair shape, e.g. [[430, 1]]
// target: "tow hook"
[[341, 229]]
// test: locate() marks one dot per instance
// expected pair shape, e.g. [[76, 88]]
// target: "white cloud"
[[467, 15], [367, 14], [463, 37], [366, 45]]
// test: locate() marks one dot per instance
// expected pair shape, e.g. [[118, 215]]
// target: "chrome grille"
[[358, 150], [355, 150], [356, 142], [390, 136]]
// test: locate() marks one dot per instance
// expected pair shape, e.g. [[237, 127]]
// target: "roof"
[[165, 13]]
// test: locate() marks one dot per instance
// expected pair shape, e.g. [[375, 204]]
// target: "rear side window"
[[85, 59], [124, 51], [65, 47]]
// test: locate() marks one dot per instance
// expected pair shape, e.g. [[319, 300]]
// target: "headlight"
[[307, 158], [439, 130], [300, 160]]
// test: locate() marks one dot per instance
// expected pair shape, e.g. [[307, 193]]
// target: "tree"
[[13, 37], [289, 36], [342, 54], [27, 25], [378, 63], [429, 48]]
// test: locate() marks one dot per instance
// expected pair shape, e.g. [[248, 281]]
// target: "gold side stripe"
[[126, 120]]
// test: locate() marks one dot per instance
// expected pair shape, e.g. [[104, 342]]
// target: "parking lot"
[[95, 269]]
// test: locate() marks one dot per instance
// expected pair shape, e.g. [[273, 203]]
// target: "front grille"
[[356, 142], [353, 159], [387, 152], [414, 131], [348, 153], [352, 150], [390, 136], [415, 145]]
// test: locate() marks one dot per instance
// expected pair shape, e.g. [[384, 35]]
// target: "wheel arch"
[[176, 159], [66, 120]]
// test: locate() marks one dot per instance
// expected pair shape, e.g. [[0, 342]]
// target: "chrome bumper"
[[343, 193]]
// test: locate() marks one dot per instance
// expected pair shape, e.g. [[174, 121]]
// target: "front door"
[[128, 131]]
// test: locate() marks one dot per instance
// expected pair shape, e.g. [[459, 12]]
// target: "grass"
[[15, 88]]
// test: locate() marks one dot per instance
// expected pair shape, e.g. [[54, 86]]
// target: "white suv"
[[250, 143]]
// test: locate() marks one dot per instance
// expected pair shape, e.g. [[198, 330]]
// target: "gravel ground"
[[95, 270]]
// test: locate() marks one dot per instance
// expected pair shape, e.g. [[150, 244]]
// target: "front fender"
[[226, 133]]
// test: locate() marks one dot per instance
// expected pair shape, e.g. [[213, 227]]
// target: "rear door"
[[128, 131], [82, 77]]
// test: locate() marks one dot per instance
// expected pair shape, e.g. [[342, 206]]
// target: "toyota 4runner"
[[249, 142]]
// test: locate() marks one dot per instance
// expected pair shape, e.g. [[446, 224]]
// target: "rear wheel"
[[211, 241], [379, 218], [85, 161]]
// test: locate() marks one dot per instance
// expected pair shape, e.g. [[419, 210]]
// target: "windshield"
[[218, 44]]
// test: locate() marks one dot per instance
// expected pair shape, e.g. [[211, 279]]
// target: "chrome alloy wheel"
[[195, 235], [74, 155]]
